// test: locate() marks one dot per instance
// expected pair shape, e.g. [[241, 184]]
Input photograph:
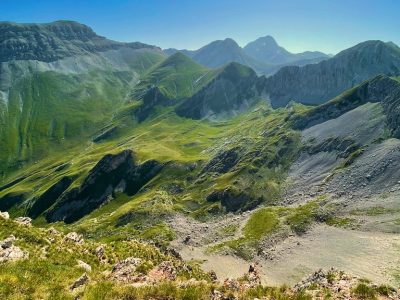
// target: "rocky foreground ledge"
[[83, 269]]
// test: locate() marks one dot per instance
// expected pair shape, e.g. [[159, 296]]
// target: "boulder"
[[9, 252], [8, 242], [101, 253], [26, 221], [74, 237], [84, 266], [84, 279], [4, 215]]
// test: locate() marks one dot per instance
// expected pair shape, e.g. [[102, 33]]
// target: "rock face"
[[49, 197], [52, 41], [317, 83], [9, 252], [112, 173], [233, 90], [379, 89]]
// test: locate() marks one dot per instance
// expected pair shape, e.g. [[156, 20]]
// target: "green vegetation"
[[261, 223], [301, 218], [365, 292], [374, 211], [176, 77]]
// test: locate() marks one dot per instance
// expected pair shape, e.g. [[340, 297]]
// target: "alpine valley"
[[128, 171]]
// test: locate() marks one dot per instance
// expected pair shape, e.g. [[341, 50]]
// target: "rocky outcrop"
[[81, 281], [9, 252], [53, 41], [85, 266], [234, 200], [75, 238], [113, 173], [49, 197], [233, 90], [25, 221], [317, 83], [10, 200], [125, 271], [223, 161], [4, 215]]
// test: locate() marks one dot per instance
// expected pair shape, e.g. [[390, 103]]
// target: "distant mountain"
[[264, 55], [267, 50], [317, 83], [53, 41], [222, 52]]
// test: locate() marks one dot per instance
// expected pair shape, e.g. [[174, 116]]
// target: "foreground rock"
[[4, 215], [81, 281], [343, 286], [9, 252], [75, 238], [26, 221], [125, 271]]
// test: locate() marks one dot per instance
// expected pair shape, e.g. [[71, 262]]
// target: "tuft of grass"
[[364, 292]]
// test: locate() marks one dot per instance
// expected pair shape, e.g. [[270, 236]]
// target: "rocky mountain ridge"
[[53, 41]]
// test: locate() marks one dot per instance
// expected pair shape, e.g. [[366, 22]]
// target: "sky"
[[325, 25]]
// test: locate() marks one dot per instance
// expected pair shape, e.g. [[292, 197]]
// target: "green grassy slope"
[[51, 111], [186, 146], [178, 76]]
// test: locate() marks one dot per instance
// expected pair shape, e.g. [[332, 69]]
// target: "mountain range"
[[187, 165], [264, 55]]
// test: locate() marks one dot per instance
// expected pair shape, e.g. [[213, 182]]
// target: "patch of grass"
[[261, 223], [341, 222], [373, 211], [301, 217], [364, 292]]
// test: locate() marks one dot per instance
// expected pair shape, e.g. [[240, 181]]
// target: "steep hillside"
[[233, 90], [59, 84], [317, 83]]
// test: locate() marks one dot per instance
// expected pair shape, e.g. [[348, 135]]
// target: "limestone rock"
[[84, 266], [4, 215], [74, 237], [26, 221], [84, 279]]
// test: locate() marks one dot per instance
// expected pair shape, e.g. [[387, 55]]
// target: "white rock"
[[4, 215], [84, 266]]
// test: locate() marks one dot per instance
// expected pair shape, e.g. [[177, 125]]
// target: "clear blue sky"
[[326, 25]]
